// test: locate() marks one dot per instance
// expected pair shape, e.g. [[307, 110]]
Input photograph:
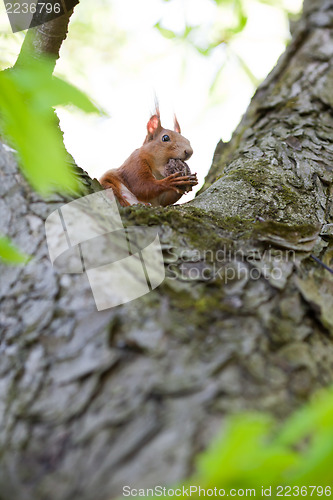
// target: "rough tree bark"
[[91, 401]]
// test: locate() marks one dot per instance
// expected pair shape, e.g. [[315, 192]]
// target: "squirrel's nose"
[[188, 153]]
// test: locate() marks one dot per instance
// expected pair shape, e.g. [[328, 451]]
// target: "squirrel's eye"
[[165, 138]]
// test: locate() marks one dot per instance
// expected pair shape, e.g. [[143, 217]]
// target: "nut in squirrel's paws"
[[177, 165]]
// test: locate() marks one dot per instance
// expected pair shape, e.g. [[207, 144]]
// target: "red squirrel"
[[141, 178]]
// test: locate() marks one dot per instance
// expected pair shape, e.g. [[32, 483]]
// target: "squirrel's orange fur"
[[141, 178]]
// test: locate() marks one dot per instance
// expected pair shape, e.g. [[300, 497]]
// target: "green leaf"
[[48, 92], [64, 93], [27, 97], [221, 2], [165, 32], [188, 30], [242, 453], [217, 76], [254, 80], [250, 452], [318, 414], [272, 3], [204, 52], [10, 254]]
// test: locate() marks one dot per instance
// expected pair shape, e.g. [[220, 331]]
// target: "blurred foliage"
[[28, 123], [93, 31], [230, 20], [256, 451], [94, 36], [9, 253], [27, 120], [236, 23], [10, 44]]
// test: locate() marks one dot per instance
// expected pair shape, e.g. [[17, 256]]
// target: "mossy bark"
[[92, 401]]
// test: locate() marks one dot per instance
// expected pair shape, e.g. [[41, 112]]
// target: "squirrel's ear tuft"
[[176, 124], [153, 125]]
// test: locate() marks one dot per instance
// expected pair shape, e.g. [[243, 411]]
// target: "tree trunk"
[[47, 36], [95, 400]]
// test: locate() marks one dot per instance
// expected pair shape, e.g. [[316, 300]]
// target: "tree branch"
[[272, 167], [45, 39], [95, 400]]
